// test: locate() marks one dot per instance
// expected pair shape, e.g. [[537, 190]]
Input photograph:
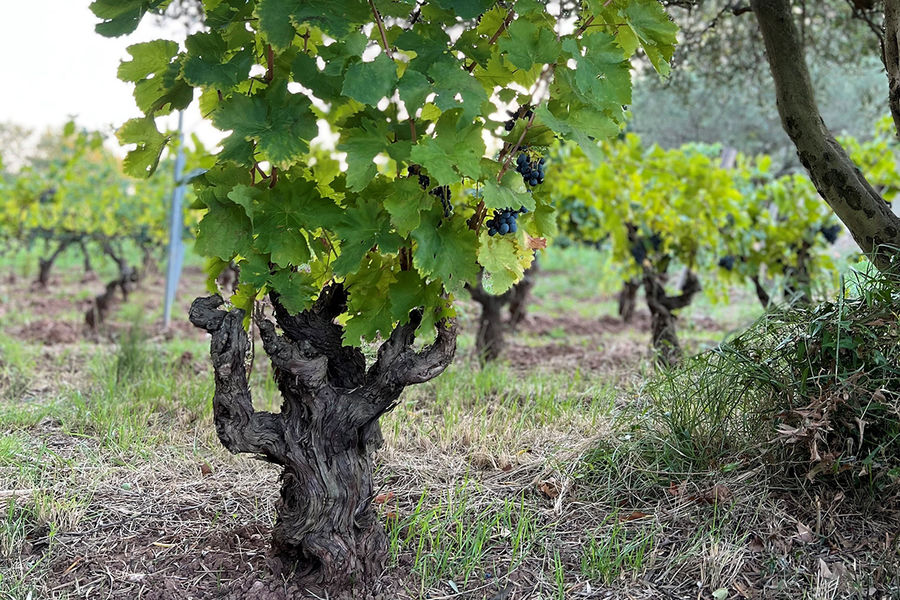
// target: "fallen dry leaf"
[[714, 495], [382, 498], [804, 533], [549, 488], [535, 243], [633, 516], [205, 469]]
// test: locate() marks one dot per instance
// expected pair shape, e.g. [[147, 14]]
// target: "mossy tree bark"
[[326, 431], [840, 183]]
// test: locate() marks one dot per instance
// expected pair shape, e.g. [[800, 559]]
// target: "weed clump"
[[815, 386]]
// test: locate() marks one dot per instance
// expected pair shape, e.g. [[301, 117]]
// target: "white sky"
[[54, 66]]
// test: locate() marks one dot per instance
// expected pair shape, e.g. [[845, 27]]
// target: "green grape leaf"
[[655, 29], [362, 144], [279, 227], [369, 82], [452, 150], [446, 250], [296, 290], [143, 160], [404, 201], [147, 58], [414, 88], [279, 122], [509, 193], [500, 256], [120, 17], [528, 44], [225, 232], [208, 63], [362, 228]]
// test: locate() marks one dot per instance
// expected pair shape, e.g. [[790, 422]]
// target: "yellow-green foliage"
[[81, 190]]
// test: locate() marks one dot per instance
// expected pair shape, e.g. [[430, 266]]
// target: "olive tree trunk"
[[840, 183], [326, 431]]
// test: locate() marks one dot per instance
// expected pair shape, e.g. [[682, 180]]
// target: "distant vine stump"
[[628, 299], [664, 335], [326, 431], [490, 337]]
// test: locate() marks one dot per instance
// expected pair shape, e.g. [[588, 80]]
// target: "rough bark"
[[327, 429], [891, 57], [628, 299], [840, 183], [664, 334]]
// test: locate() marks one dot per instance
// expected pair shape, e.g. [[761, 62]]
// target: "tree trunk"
[[868, 217], [761, 293], [890, 56], [326, 431], [88, 267], [45, 264], [664, 334], [489, 340], [521, 294], [628, 299]]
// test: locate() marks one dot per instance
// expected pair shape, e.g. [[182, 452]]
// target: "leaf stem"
[[380, 24], [509, 17]]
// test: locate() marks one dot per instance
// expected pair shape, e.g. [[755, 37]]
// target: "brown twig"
[[380, 24], [509, 17], [270, 64]]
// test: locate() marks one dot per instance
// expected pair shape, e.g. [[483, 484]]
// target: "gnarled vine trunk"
[[46, 264], [628, 299], [490, 337], [664, 334], [327, 429]]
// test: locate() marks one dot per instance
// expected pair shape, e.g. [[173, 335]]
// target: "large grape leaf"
[[362, 228], [279, 122], [446, 250], [655, 29], [527, 44], [211, 63], [369, 82], [121, 17], [453, 149]]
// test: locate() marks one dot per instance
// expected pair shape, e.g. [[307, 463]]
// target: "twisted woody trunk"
[[327, 429]]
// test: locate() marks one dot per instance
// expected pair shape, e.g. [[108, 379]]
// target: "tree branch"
[[239, 426]]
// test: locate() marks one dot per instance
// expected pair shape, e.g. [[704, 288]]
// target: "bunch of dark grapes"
[[424, 180], [504, 221], [727, 262], [532, 171], [638, 251], [830, 233], [443, 192], [509, 125]]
